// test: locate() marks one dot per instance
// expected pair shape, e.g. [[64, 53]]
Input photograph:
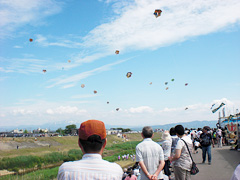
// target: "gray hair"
[[147, 131]]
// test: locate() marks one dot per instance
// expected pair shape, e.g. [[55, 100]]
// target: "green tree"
[[25, 131], [69, 128], [60, 131]]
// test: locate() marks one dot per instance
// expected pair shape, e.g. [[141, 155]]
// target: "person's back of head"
[[179, 129], [147, 132], [172, 131], [92, 136]]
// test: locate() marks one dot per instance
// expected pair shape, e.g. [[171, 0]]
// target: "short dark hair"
[[147, 132], [179, 129], [93, 144], [172, 131]]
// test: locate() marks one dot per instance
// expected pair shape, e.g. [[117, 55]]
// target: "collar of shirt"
[[147, 139], [92, 156]]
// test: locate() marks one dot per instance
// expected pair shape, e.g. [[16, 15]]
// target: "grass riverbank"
[[115, 146]]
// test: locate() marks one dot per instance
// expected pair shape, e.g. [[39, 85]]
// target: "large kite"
[[216, 109]]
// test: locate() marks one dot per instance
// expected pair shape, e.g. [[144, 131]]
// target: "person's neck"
[[182, 136]]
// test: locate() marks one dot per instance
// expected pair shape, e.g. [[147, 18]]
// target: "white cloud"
[[24, 65], [41, 112], [15, 13], [76, 78], [22, 112], [17, 47], [43, 41], [136, 27], [65, 110], [141, 109]]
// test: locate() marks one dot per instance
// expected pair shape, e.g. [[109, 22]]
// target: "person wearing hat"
[[150, 156], [166, 146], [92, 141]]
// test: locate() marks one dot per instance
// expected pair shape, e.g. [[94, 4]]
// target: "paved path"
[[224, 162]]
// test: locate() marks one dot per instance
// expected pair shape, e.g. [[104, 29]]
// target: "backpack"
[[214, 135], [206, 140]]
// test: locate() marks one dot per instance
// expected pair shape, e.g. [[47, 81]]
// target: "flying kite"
[[172, 79], [117, 109], [157, 12], [44, 70], [166, 83], [107, 102], [95, 92], [117, 52], [186, 84], [186, 108], [129, 74], [30, 39], [150, 83], [212, 106], [82, 85], [216, 109], [69, 61], [166, 88]]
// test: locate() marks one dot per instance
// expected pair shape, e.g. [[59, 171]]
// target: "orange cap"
[[92, 127]]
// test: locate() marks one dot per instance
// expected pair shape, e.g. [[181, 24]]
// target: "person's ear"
[[105, 143], [152, 135], [80, 145]]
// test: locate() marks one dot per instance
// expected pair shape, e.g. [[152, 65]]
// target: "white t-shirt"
[[184, 161]]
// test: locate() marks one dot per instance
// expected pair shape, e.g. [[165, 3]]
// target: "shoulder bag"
[[194, 170]]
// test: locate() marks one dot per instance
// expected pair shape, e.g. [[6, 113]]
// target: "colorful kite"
[[107, 102], [117, 52], [172, 79], [186, 108], [69, 61], [166, 88], [216, 109], [44, 70], [117, 109], [82, 85], [157, 12], [150, 83], [186, 84], [31, 40], [166, 83], [95, 92], [129, 74]]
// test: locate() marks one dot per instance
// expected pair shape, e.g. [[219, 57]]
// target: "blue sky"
[[195, 42]]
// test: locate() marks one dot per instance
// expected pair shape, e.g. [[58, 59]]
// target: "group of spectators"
[[151, 158]]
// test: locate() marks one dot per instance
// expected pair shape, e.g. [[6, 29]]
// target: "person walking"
[[182, 159], [206, 140], [92, 141], [150, 156]]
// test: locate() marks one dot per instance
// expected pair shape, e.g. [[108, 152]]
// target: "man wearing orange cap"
[[92, 141]]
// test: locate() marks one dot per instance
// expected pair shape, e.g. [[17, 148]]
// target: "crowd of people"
[[173, 157]]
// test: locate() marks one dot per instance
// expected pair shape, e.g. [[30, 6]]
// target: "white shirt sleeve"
[[138, 155], [180, 144]]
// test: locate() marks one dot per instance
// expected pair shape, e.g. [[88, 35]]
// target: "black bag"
[[194, 170]]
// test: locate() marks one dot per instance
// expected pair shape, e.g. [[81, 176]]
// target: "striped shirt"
[[90, 167], [151, 154]]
